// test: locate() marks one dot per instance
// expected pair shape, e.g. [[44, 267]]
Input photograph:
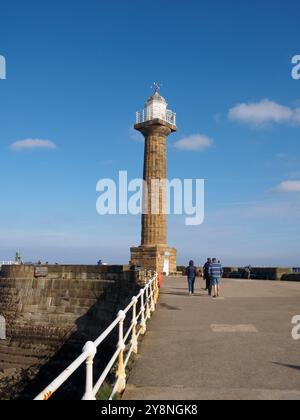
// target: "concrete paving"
[[237, 347]]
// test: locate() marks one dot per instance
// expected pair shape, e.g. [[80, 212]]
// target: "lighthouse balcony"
[[144, 116]]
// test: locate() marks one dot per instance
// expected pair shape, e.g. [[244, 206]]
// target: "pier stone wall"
[[65, 305]]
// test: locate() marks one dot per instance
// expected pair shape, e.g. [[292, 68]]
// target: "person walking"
[[207, 275], [216, 273], [191, 272], [248, 272]]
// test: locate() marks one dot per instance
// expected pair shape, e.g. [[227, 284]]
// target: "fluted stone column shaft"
[[154, 224], [154, 253]]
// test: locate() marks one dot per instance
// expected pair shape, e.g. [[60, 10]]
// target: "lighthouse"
[[156, 122]]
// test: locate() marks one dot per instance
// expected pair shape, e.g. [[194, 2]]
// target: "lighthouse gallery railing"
[[143, 116], [145, 302]]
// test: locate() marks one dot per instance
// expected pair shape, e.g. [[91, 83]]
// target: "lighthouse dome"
[[156, 98], [156, 107]]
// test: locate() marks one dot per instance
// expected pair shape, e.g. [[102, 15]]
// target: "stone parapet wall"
[[48, 307], [260, 273], [71, 272], [72, 304], [291, 277]]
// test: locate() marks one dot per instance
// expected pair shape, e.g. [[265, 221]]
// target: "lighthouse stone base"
[[160, 258]]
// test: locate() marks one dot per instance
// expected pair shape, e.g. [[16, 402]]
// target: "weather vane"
[[156, 87]]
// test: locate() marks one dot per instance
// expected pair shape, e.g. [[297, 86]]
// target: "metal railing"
[[145, 302], [144, 116]]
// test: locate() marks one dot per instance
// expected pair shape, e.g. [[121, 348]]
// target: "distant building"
[[7, 263]]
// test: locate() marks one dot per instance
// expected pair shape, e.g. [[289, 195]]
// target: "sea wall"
[[259, 273], [53, 310]]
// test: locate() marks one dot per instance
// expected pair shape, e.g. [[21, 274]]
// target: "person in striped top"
[[216, 273]]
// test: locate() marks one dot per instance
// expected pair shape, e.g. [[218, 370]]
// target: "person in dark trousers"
[[216, 273], [207, 276], [191, 272]]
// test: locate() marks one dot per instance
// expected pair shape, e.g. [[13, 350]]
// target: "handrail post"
[[154, 291], [148, 312], [152, 296], [89, 383], [143, 322], [156, 288], [121, 374], [134, 341]]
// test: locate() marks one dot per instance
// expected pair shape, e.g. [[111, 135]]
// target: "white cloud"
[[288, 186], [196, 142], [297, 115], [31, 144], [263, 113]]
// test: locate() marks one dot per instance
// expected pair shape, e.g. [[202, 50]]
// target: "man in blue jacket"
[[191, 272], [216, 273], [207, 275]]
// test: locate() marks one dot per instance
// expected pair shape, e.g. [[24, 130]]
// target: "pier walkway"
[[237, 347]]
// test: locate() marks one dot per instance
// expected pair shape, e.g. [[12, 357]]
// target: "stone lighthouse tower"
[[156, 123]]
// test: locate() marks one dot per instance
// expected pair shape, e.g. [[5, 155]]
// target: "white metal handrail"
[[144, 116], [128, 342]]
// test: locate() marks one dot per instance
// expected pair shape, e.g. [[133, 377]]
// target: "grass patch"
[[105, 392]]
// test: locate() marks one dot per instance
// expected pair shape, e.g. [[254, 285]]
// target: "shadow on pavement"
[[182, 294], [169, 307], [288, 366]]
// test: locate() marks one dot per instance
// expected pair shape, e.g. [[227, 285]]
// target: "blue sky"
[[77, 72]]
